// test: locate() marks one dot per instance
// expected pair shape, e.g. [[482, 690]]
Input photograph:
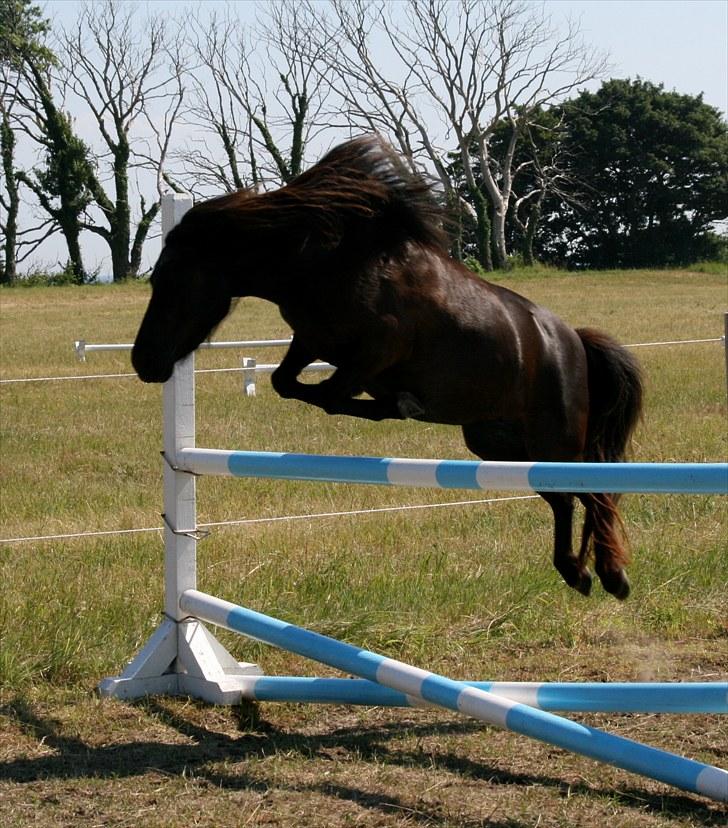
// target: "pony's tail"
[[616, 394]]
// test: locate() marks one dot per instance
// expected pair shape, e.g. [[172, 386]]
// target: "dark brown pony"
[[353, 254]]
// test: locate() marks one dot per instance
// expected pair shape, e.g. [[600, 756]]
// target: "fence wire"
[[240, 369]]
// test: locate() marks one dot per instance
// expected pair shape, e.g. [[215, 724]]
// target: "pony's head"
[[190, 297], [359, 201]]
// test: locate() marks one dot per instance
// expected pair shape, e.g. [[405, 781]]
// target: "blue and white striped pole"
[[645, 478], [575, 697], [632, 756]]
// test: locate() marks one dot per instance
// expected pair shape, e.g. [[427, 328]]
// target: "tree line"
[[484, 97]]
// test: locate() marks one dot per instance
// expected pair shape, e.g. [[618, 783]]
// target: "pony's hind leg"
[[571, 568], [504, 441], [603, 526]]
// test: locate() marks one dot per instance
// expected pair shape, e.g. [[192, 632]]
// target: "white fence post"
[[249, 364], [182, 657], [725, 347]]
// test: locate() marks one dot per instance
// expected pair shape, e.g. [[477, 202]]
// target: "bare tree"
[[130, 78], [454, 70], [541, 174], [371, 94], [257, 91]]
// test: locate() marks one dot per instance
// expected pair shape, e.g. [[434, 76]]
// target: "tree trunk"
[[7, 148], [75, 258], [140, 236], [483, 229], [500, 254], [530, 232], [120, 226]]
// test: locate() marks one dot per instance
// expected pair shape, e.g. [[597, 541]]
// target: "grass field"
[[467, 591]]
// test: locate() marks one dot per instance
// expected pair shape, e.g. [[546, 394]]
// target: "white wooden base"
[[182, 658]]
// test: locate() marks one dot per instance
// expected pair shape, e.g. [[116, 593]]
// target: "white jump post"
[[182, 657], [248, 365]]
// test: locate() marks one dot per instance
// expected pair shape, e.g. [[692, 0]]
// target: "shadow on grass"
[[208, 750]]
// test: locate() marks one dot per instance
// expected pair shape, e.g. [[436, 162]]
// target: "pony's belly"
[[447, 404], [459, 411]]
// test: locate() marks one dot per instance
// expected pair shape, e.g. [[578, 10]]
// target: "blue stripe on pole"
[[444, 694], [458, 474], [309, 644], [538, 724], [679, 478], [685, 478], [326, 468], [327, 690]]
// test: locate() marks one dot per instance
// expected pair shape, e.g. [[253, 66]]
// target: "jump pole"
[[706, 780], [573, 697], [640, 478]]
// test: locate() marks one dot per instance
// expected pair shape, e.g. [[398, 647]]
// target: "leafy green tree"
[[653, 172], [60, 185]]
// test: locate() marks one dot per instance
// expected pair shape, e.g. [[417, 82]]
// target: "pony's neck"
[[265, 281]]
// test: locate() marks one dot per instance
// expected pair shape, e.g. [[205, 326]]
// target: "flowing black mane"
[[361, 186]]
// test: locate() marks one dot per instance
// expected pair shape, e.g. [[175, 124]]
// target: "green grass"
[[468, 591], [84, 456]]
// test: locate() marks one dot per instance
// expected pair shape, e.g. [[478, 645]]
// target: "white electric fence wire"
[[273, 519], [268, 368], [675, 342]]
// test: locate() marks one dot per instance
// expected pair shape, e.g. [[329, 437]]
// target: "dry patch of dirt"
[[70, 759]]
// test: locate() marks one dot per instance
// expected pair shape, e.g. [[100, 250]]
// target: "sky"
[[682, 44]]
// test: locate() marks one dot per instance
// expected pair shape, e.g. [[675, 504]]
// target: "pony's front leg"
[[335, 395], [338, 396], [285, 378], [326, 394]]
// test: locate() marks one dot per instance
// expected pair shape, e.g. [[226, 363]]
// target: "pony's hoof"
[[578, 578], [409, 406], [616, 583], [584, 583]]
